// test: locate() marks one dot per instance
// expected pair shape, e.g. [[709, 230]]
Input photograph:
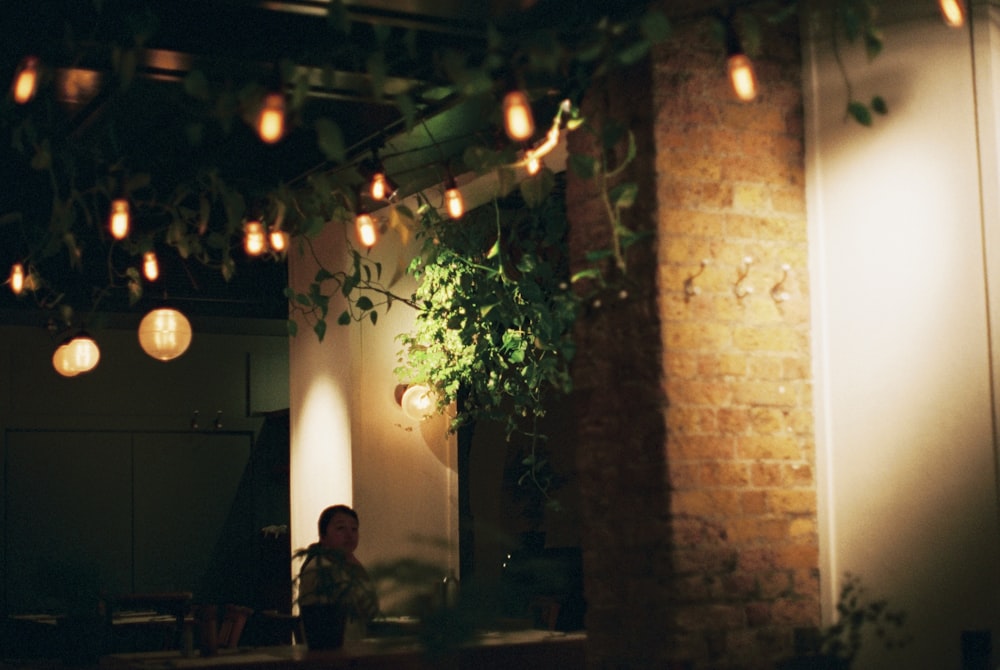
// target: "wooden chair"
[[234, 619]]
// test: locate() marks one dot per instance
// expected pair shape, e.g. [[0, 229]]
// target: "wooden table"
[[524, 650]]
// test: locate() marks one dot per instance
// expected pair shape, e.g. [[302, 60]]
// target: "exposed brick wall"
[[730, 186], [696, 452]]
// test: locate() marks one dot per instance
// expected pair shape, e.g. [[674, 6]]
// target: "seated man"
[[333, 585]]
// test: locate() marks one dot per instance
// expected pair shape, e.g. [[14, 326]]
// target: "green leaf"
[[373, 316], [494, 250], [364, 303], [320, 329], [344, 318], [859, 113], [583, 166], [634, 52], [293, 327], [655, 26], [322, 275], [330, 139], [878, 105], [536, 189], [623, 195]]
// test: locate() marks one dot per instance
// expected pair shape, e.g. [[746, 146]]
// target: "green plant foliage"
[[495, 310], [856, 615]]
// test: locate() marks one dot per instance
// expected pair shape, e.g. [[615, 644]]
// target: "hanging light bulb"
[[953, 12], [17, 278], [533, 163], [253, 238], [742, 77], [150, 266], [380, 186], [271, 120], [120, 218], [364, 224], [164, 333], [453, 200], [76, 355], [517, 118], [26, 80], [418, 402], [278, 239]]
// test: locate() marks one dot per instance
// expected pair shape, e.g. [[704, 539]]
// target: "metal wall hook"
[[739, 288], [218, 420], [194, 420], [690, 290], [778, 292]]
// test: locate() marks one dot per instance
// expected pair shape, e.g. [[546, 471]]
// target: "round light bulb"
[[26, 80], [365, 227], [419, 402], [380, 187], [271, 120], [150, 266], [454, 203], [253, 240], [164, 334], [17, 278], [278, 240], [517, 117], [953, 12], [742, 77], [119, 218]]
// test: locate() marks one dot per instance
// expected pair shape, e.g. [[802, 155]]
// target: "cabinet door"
[[194, 514], [68, 497]]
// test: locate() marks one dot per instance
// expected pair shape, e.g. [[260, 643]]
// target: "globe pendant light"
[[418, 402], [164, 333], [76, 355]]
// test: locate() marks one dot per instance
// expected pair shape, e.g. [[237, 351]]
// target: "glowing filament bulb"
[[271, 121], [150, 266], [253, 238], [365, 227], [534, 164], [380, 187], [278, 239], [26, 80], [742, 77], [453, 201], [517, 118], [120, 218], [953, 12], [17, 278]]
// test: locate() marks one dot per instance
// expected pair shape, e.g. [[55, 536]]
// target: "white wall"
[[351, 443], [906, 453]]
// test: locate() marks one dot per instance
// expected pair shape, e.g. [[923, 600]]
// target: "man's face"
[[341, 533]]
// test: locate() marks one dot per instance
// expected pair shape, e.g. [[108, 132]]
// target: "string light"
[[364, 224], [164, 333], [271, 120], [150, 266], [253, 238], [26, 80], [453, 200], [17, 278], [278, 239], [953, 12], [742, 77], [380, 187], [120, 218], [517, 117]]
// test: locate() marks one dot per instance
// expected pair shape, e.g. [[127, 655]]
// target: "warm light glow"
[[742, 77], [26, 80], [453, 201], [419, 402], [120, 219], [76, 356], [271, 120], [533, 164], [517, 118], [278, 239], [953, 12], [365, 226], [150, 266], [253, 238], [164, 334], [380, 186], [17, 278]]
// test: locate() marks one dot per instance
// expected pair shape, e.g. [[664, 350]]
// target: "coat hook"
[[778, 292], [690, 290], [194, 420], [739, 289], [218, 420]]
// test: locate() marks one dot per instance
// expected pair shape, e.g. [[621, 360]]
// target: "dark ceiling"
[[144, 119]]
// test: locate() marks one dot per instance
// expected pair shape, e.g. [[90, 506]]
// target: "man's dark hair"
[[327, 514]]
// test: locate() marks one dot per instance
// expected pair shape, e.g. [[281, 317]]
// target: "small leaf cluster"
[[855, 615]]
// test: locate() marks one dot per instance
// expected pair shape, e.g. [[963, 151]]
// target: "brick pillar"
[[737, 370], [696, 452]]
